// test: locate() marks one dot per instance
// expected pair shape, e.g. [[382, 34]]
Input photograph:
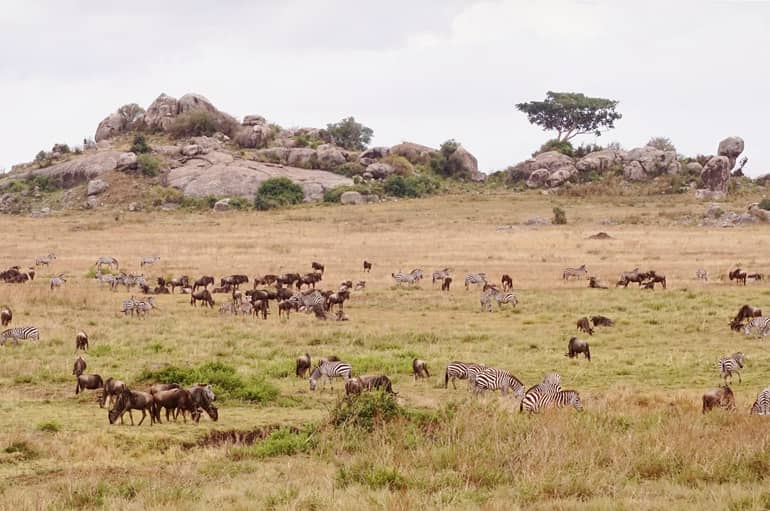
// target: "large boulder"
[[600, 161], [253, 136], [71, 172], [313, 192], [274, 155], [380, 170], [466, 163], [113, 124], [97, 186], [192, 150], [330, 157], [373, 154], [190, 102], [303, 157], [716, 174], [694, 167], [162, 112], [545, 164], [731, 147], [127, 161], [560, 176], [351, 197], [538, 178], [416, 154], [253, 120], [222, 205], [654, 161], [633, 171]]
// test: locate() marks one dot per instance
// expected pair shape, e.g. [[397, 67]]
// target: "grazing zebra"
[[18, 333], [309, 301], [474, 278], [729, 365], [440, 275], [500, 296], [485, 299], [760, 324], [108, 261], [577, 273], [57, 281], [543, 396], [494, 379], [128, 306], [330, 369], [462, 371], [106, 279], [702, 274], [762, 405], [410, 278], [44, 260], [149, 260], [144, 306]]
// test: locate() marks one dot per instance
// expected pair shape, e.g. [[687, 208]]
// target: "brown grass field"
[[641, 443]]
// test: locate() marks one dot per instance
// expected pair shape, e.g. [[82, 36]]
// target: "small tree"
[[662, 143], [442, 163], [277, 192], [571, 114], [132, 115], [139, 145], [350, 134]]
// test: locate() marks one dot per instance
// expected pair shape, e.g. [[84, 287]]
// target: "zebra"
[[128, 306], [485, 299], [493, 379], [309, 301], [729, 365], [44, 260], [544, 395], [144, 306], [440, 275], [474, 278], [57, 281], [578, 273], [702, 274], [330, 369], [412, 277], [228, 308], [149, 260], [20, 332], [462, 371], [552, 379], [760, 324], [500, 296], [762, 405], [106, 260], [105, 279]]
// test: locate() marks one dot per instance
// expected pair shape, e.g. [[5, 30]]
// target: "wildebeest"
[[88, 381], [377, 382], [367, 266], [286, 306], [79, 367], [602, 321], [576, 346], [112, 389], [261, 308], [287, 279], [507, 282], [308, 279], [132, 400], [657, 278], [738, 275], [174, 401], [585, 326], [234, 280], [203, 282], [745, 312], [632, 276], [337, 299], [81, 341], [183, 282], [722, 397], [447, 282], [6, 315], [354, 386], [202, 295], [317, 267], [203, 398], [302, 365], [595, 283], [420, 369], [755, 276]]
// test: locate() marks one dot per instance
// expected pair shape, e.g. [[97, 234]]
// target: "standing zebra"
[[729, 365], [543, 396], [18, 333], [149, 260], [500, 296], [762, 405], [493, 379], [439, 276], [128, 306], [105, 279], [310, 300], [44, 260], [108, 261], [760, 324], [485, 299], [410, 278], [577, 273], [474, 278], [144, 306], [57, 281], [702, 274], [330, 369], [462, 371]]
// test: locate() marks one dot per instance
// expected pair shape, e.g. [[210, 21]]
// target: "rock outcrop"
[[716, 174], [416, 154], [546, 164], [653, 161], [731, 147], [73, 172], [161, 113]]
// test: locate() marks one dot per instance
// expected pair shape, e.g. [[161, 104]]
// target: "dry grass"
[[641, 443]]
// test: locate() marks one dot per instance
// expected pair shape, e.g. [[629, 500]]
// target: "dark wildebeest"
[[202, 295], [79, 367], [112, 389], [602, 321], [159, 387], [632, 276], [132, 400], [447, 282], [308, 279], [286, 306], [745, 312], [507, 282], [657, 278], [722, 397], [420, 369], [88, 381], [317, 267], [585, 326], [367, 266], [576, 346], [755, 276], [233, 281], [337, 299], [650, 284], [378, 382], [203, 282], [261, 307], [353, 386], [738, 275], [203, 400], [81, 341], [5, 316], [287, 279], [303, 365], [174, 401], [595, 283], [183, 282]]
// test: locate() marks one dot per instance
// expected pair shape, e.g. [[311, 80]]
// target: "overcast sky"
[[423, 71]]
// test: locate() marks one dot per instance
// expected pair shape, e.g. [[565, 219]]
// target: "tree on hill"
[[571, 114], [350, 134]]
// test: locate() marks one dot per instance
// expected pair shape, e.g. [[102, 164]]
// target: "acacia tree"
[[350, 134], [571, 114]]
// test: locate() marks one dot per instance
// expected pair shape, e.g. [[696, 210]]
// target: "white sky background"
[[423, 71]]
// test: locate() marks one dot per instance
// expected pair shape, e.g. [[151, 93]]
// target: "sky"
[[422, 71]]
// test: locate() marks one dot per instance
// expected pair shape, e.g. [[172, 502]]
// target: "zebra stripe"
[[762, 405], [702, 274], [412, 277], [494, 379], [462, 371], [501, 297], [760, 324], [149, 260], [440, 275], [544, 395], [578, 273], [57, 281], [18, 333], [729, 365], [486, 301], [309, 301], [474, 278], [46, 260], [142, 307], [330, 369], [128, 306]]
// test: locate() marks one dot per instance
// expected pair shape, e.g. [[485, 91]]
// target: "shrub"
[[401, 165], [44, 183], [239, 203], [765, 204], [410, 186], [335, 193], [662, 143], [195, 123], [559, 216], [350, 169], [560, 146], [442, 163], [281, 442], [350, 134], [584, 149], [43, 159], [367, 411], [148, 165], [277, 192], [304, 140], [139, 146]]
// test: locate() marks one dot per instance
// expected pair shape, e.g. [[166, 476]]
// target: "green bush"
[[139, 145], [401, 165], [366, 411], [43, 183], [410, 186], [195, 123], [662, 143], [560, 146], [278, 192], [148, 165], [304, 140], [281, 442], [43, 159], [239, 203], [350, 134], [350, 169], [559, 216], [765, 204]]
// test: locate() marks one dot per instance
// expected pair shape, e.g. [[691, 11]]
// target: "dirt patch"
[[237, 437], [600, 236]]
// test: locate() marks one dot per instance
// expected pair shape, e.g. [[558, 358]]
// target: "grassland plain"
[[641, 443]]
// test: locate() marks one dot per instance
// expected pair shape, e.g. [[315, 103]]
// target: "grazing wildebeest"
[[445, 285], [5, 316], [507, 282], [420, 369], [585, 326], [88, 381], [745, 312], [203, 282], [174, 401], [722, 397], [367, 266], [107, 260], [308, 279], [132, 400], [261, 308], [202, 295], [377, 382], [602, 321], [234, 280], [203, 398], [755, 276], [657, 278], [595, 283], [738, 275], [632, 276], [317, 267], [354, 386], [81, 341], [302, 366], [79, 367], [112, 389], [183, 282], [576, 346]]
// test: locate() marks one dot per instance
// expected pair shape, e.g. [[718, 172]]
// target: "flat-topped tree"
[[571, 114]]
